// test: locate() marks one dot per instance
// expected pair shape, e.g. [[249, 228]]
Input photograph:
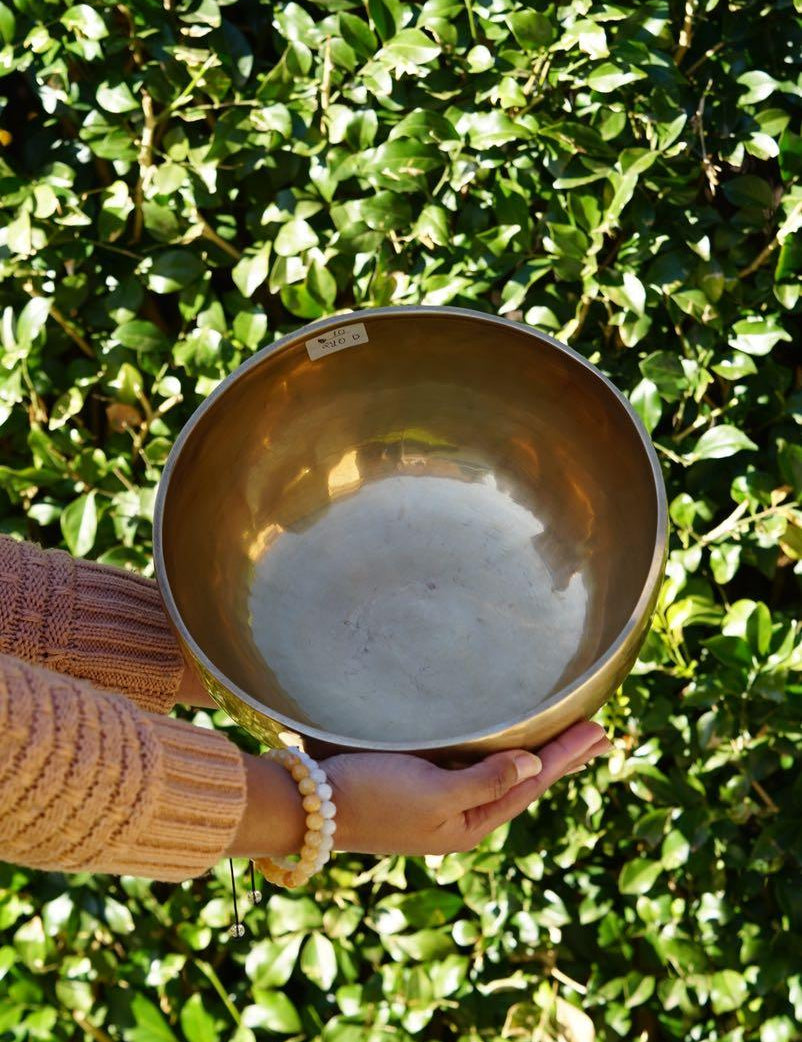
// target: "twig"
[[71, 331], [708, 54], [772, 806], [325, 86], [785, 229], [707, 165], [563, 978], [685, 33], [98, 1034], [145, 157], [65, 324], [574, 326], [210, 234], [145, 160], [208, 970], [471, 22]]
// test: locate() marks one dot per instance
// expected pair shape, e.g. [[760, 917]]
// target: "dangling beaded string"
[[237, 930], [255, 895], [319, 838]]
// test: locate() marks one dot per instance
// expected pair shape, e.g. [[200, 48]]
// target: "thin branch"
[[325, 86], [685, 33], [65, 324], [708, 54], [785, 229], [146, 168], [98, 1034], [471, 21], [210, 234], [772, 806], [563, 978]]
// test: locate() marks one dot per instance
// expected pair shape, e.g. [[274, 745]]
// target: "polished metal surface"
[[418, 529]]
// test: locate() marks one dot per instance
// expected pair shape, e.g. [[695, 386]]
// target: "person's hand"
[[393, 803]]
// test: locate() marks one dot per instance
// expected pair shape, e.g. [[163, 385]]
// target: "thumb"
[[492, 778]]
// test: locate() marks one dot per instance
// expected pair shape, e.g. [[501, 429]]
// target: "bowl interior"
[[423, 535]]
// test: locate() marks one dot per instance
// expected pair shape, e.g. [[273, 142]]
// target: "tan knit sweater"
[[91, 780]]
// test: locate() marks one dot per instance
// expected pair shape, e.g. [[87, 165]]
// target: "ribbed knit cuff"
[[196, 812], [90, 621]]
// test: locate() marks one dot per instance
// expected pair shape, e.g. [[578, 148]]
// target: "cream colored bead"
[[316, 797]]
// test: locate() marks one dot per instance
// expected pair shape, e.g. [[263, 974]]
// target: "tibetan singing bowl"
[[419, 529]]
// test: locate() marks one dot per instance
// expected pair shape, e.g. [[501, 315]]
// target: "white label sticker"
[[337, 340]]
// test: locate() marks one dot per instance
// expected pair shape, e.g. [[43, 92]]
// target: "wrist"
[[274, 821]]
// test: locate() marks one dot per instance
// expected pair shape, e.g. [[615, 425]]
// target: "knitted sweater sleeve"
[[90, 782], [88, 620]]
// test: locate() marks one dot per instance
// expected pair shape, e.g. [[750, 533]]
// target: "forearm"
[[90, 621], [273, 822], [89, 782]]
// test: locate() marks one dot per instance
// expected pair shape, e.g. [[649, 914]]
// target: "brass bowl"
[[418, 529]]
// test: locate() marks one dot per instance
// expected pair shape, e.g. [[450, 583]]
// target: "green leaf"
[[409, 47], [735, 366], [150, 1024], [250, 327], [79, 524], [757, 336], [270, 963], [749, 191], [84, 19], [759, 87], [758, 629], [638, 877], [646, 402], [173, 270], [531, 29], [65, 407], [196, 1023], [117, 98], [141, 335], [319, 961], [666, 372], [728, 991], [731, 651], [719, 442], [31, 320], [251, 271], [118, 916], [294, 237], [357, 33], [272, 1011], [8, 24], [607, 77], [386, 211]]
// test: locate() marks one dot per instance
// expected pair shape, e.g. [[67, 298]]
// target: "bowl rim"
[[570, 692]]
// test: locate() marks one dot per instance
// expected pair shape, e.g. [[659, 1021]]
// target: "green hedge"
[[180, 184]]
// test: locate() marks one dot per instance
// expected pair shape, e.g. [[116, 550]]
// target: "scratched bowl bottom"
[[417, 608]]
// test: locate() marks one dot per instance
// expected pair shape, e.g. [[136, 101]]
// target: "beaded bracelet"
[[320, 811]]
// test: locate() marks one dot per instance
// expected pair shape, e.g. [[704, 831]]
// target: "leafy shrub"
[[183, 183]]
